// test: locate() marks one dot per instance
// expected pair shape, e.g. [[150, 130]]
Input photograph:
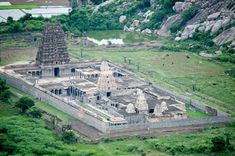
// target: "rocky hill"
[[181, 19]]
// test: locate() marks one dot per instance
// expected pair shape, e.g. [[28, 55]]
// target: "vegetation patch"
[[18, 7]]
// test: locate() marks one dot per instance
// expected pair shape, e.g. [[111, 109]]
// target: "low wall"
[[169, 124], [188, 101], [44, 96]]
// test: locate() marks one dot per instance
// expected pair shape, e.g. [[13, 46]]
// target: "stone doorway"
[[57, 72]]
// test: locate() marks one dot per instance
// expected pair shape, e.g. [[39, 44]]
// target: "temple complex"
[[107, 91]]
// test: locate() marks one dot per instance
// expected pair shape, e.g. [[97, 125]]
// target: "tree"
[[219, 143], [26, 17], [24, 104], [35, 112], [4, 91], [80, 20], [69, 137], [10, 20], [15, 27], [73, 4]]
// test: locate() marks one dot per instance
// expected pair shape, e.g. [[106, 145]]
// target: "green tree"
[[80, 20], [24, 104], [4, 91], [10, 20], [15, 27], [69, 137], [73, 4], [26, 17], [219, 143], [35, 112]]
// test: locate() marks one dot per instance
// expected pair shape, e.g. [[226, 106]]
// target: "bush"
[[4, 91], [189, 13], [35, 112], [175, 27], [24, 104], [219, 143], [134, 149], [69, 137], [230, 72]]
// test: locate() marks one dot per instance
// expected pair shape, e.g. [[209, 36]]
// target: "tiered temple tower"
[[141, 103], [52, 49], [106, 82]]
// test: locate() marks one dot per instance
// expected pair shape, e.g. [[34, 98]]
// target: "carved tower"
[[52, 49], [141, 103], [106, 82]]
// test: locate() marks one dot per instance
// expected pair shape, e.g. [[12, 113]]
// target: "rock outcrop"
[[181, 6], [225, 37], [165, 28]]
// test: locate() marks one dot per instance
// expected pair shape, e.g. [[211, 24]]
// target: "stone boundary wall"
[[53, 100], [188, 101], [169, 124]]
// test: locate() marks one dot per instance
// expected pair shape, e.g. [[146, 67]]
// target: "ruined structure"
[[102, 94]]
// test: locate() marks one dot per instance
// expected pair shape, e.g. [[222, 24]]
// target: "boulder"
[[122, 19], [213, 16], [225, 37], [164, 30], [202, 28], [135, 24], [216, 26], [145, 21], [147, 31], [181, 6], [126, 29], [209, 25], [148, 13], [178, 38], [188, 31]]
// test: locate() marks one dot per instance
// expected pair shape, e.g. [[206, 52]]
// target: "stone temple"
[[102, 94]]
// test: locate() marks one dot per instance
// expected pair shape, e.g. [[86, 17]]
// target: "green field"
[[18, 7], [43, 106]]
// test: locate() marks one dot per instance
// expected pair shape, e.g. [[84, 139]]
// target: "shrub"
[[219, 143], [189, 13], [24, 104], [175, 27], [4, 92], [230, 72], [35, 112], [69, 137]]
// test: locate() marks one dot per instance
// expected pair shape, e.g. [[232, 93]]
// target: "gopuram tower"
[[52, 55]]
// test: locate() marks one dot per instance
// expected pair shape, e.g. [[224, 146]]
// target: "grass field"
[[43, 106], [32, 6]]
